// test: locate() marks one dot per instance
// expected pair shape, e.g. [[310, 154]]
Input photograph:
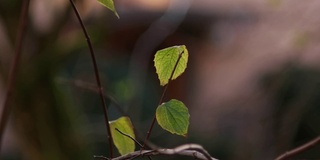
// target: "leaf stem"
[[14, 68], [127, 135], [96, 71], [161, 101]]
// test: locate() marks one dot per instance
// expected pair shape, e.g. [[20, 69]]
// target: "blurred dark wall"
[[251, 82]]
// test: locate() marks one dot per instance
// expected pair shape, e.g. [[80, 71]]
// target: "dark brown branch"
[[14, 68], [96, 71], [161, 100], [299, 149], [191, 150]]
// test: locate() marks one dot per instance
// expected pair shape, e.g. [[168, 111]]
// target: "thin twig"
[[161, 100], [299, 149], [14, 68], [191, 150], [127, 135], [96, 71]]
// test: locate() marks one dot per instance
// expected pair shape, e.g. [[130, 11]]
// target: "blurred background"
[[251, 86]]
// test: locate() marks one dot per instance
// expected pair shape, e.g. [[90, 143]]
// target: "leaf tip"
[[117, 15], [110, 5]]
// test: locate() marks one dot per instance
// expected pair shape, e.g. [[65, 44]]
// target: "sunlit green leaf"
[[173, 116], [123, 143], [110, 5], [166, 59]]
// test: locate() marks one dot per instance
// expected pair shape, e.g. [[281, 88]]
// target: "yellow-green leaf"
[[123, 143], [110, 5], [165, 60], [173, 116]]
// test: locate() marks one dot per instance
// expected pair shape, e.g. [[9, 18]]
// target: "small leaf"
[[110, 5], [173, 116], [123, 143], [165, 61]]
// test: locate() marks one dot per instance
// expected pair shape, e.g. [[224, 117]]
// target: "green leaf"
[[165, 61], [173, 116], [123, 143], [110, 5]]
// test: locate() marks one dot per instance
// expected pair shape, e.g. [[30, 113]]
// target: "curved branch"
[[191, 150], [299, 149], [96, 71]]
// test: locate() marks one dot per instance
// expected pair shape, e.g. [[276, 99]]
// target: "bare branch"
[[191, 150], [299, 149]]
